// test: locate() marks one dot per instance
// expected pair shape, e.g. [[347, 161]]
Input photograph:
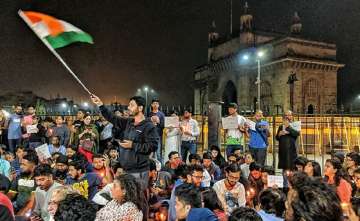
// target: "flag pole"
[[27, 21]]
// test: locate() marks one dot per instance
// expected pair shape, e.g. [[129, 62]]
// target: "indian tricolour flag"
[[56, 32]]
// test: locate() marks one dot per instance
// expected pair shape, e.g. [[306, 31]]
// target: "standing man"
[[287, 135], [158, 118], [189, 131], [259, 139], [140, 138], [234, 137], [14, 128]]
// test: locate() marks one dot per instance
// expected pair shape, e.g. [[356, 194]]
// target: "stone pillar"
[[214, 119]]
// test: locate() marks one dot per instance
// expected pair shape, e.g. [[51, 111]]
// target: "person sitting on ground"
[[86, 183], [212, 202], [217, 158], [75, 207], [300, 163], [127, 201], [244, 214], [265, 172], [272, 204], [45, 186], [55, 146], [334, 175], [101, 166], [312, 169], [311, 199], [188, 205], [230, 191], [352, 162], [211, 167]]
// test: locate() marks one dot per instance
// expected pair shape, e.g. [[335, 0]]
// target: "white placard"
[[275, 180], [251, 124], [171, 122], [230, 122], [296, 125], [31, 129], [43, 151]]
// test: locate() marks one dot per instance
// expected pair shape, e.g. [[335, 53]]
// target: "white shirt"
[[236, 133], [191, 126], [238, 192]]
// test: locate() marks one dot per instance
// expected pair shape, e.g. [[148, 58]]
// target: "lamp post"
[[291, 82], [259, 56]]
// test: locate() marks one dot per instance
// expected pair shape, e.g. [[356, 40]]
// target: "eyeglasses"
[[198, 177]]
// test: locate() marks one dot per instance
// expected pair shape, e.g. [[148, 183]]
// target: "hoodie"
[[145, 141]]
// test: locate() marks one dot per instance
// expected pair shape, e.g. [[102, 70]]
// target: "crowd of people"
[[124, 166]]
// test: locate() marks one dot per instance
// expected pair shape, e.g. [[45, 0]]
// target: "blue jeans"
[[187, 146], [13, 143], [230, 149], [159, 151]]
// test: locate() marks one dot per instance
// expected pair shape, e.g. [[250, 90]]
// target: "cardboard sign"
[[230, 122], [275, 180], [296, 125], [31, 129], [171, 122], [251, 124], [43, 151]]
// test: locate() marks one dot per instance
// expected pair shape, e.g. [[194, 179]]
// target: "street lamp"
[[63, 105], [259, 56], [86, 104]]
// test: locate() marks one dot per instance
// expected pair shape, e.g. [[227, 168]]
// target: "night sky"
[[157, 43]]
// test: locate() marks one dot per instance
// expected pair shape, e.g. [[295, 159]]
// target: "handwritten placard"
[[251, 124], [275, 180], [31, 129], [171, 122], [43, 151], [230, 122], [296, 125]]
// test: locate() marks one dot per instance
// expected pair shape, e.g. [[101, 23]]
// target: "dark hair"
[[140, 101], [62, 117], [339, 170], [31, 157], [58, 137], [116, 167], [172, 153], [300, 160], [357, 170], [254, 166], [210, 199], [272, 201], [339, 155], [182, 171], [196, 167], [152, 165], [354, 157], [194, 156], [355, 202], [316, 168], [155, 100], [82, 111], [28, 106], [233, 105], [43, 170], [73, 147], [233, 168], [5, 184], [78, 165], [62, 159], [75, 207], [20, 147], [207, 156], [132, 189], [97, 156], [244, 214], [314, 201], [297, 180], [189, 195], [268, 169]]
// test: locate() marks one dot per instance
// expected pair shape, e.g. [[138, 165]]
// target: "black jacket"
[[144, 137]]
